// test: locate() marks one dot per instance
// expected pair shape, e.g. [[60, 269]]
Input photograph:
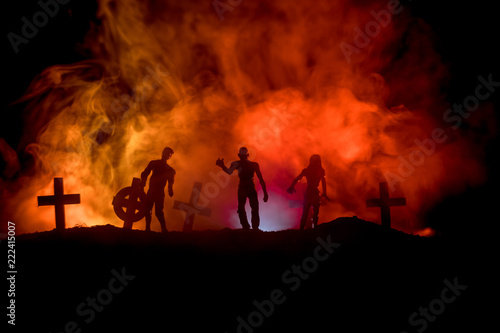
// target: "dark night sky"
[[466, 36]]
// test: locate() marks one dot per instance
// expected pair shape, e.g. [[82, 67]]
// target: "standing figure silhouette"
[[162, 173], [314, 173], [246, 188]]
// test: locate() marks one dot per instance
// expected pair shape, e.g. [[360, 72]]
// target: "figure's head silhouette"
[[243, 153], [167, 153], [315, 162]]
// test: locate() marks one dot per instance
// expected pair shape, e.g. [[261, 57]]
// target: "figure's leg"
[[315, 214], [305, 214], [254, 205], [159, 212], [242, 214], [315, 202], [308, 202], [149, 209]]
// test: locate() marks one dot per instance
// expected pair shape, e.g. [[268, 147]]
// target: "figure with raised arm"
[[246, 188]]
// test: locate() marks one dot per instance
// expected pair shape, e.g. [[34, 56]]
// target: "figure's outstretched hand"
[[220, 162], [171, 193], [326, 197], [266, 197], [291, 190]]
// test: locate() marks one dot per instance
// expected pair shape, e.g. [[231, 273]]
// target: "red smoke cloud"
[[358, 84]]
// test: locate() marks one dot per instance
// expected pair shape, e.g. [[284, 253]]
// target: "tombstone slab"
[[130, 204], [192, 207]]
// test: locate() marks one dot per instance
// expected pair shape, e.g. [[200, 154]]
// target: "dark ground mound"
[[107, 279]]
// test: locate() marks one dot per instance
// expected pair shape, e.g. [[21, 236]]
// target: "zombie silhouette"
[[246, 188], [314, 173], [162, 173]]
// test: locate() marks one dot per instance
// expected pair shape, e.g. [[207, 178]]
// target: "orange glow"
[[426, 232], [271, 76]]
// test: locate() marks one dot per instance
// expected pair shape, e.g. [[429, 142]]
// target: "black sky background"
[[466, 35]]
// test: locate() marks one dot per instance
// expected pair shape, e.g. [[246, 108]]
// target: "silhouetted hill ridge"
[[206, 280]]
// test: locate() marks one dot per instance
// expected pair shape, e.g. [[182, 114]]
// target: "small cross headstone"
[[58, 200], [192, 208], [130, 204], [385, 203]]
